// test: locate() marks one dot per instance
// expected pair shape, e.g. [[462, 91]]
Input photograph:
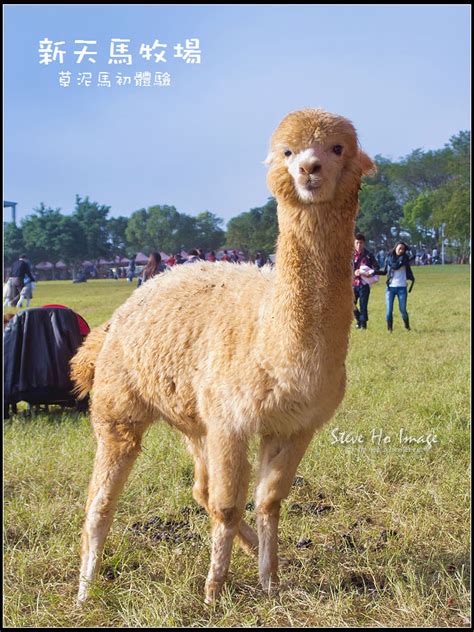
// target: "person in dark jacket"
[[361, 257], [20, 269], [398, 272]]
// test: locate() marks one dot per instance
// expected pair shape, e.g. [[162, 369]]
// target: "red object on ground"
[[83, 326]]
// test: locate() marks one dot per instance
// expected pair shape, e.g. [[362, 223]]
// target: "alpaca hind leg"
[[246, 536], [117, 450], [229, 473], [279, 459], [248, 539]]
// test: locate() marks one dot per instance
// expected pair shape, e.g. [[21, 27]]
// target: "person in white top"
[[398, 272]]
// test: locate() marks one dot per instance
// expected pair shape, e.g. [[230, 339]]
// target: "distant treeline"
[[419, 198]]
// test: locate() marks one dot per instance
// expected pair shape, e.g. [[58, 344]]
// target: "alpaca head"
[[314, 157]]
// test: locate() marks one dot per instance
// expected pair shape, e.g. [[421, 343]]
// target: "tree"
[[254, 231], [379, 210], [157, 228], [93, 219], [459, 160], [13, 245], [72, 242], [162, 227], [166, 228], [438, 188], [419, 172], [452, 201], [418, 217], [117, 239], [457, 220], [50, 236], [41, 232], [136, 232], [208, 232], [379, 214]]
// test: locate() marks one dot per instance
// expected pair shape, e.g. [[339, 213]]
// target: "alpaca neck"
[[311, 305]]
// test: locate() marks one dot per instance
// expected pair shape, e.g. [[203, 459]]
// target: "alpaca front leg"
[[229, 473], [113, 463], [279, 459]]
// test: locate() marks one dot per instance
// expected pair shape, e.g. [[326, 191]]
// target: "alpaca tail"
[[83, 363]]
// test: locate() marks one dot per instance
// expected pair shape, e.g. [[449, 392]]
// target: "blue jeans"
[[361, 294], [390, 295]]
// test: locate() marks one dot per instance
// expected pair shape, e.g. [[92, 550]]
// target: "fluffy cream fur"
[[224, 352]]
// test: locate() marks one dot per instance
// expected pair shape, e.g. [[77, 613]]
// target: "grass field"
[[377, 532]]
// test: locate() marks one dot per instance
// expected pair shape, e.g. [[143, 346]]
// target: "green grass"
[[386, 526]]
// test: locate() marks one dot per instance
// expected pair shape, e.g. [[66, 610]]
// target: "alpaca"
[[269, 362]]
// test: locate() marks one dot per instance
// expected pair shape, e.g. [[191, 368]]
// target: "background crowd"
[[19, 285], [395, 265]]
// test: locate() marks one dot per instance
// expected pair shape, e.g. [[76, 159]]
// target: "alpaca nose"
[[310, 167]]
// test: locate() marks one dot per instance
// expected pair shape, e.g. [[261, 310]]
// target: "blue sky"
[[400, 73]]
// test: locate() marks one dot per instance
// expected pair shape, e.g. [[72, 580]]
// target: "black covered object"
[[38, 345]]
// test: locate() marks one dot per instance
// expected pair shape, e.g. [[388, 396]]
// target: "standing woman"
[[398, 271], [153, 267]]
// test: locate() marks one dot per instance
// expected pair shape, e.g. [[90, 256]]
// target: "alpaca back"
[[186, 340], [190, 320]]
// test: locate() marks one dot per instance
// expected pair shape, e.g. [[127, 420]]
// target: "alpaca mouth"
[[311, 187], [308, 192]]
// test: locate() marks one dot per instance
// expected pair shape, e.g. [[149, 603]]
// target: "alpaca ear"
[[269, 159], [367, 165]]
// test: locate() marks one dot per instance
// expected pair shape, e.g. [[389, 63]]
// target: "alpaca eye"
[[337, 149], [288, 153]]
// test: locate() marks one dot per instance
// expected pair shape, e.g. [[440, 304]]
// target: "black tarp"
[[38, 345]]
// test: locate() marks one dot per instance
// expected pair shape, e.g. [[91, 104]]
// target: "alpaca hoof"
[[212, 591], [273, 590], [83, 592], [270, 585]]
